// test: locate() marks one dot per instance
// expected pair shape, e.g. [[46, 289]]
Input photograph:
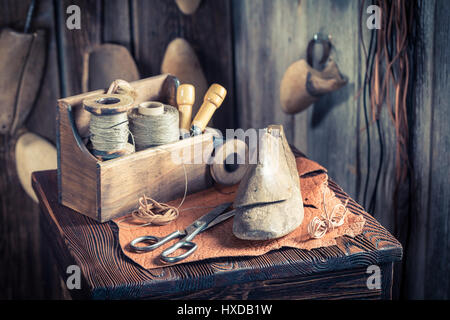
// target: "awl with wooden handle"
[[213, 100], [185, 100]]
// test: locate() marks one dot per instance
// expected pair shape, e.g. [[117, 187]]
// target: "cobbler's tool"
[[181, 61], [205, 222], [22, 60], [268, 202], [212, 101], [154, 124], [33, 153], [188, 7], [230, 162], [302, 84], [185, 100], [109, 124]]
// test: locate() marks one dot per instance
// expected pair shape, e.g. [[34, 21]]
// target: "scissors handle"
[[182, 244], [156, 242]]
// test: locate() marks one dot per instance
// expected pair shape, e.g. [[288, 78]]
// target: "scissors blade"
[[205, 220], [221, 218]]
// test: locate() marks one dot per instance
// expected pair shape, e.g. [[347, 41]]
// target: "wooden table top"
[[108, 274]]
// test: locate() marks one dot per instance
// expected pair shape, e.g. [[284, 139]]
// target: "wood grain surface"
[[74, 43], [108, 274], [269, 37], [110, 188], [427, 262], [26, 271], [345, 284], [42, 119], [157, 22]]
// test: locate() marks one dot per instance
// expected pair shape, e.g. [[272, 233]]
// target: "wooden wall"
[[331, 132], [269, 36], [428, 255], [145, 28], [247, 45]]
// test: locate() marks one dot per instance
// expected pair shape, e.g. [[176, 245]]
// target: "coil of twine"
[[151, 211], [329, 220], [154, 129], [154, 212], [109, 132]]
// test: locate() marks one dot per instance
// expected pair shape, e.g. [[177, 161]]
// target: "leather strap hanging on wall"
[[387, 82], [303, 83]]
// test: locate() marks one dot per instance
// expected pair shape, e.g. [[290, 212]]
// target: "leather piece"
[[22, 61], [219, 241], [302, 85]]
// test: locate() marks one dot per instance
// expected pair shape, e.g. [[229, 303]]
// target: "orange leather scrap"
[[219, 241]]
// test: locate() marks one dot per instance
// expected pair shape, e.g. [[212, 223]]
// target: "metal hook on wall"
[[325, 41]]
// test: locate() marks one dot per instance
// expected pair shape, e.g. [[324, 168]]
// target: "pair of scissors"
[[217, 215]]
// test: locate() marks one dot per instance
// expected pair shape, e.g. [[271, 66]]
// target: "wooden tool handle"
[[213, 100], [185, 100]]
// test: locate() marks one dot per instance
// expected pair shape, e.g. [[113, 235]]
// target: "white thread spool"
[[154, 124], [151, 108], [230, 162]]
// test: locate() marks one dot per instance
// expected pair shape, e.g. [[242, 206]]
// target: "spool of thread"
[[154, 124], [151, 108], [108, 125], [230, 162]]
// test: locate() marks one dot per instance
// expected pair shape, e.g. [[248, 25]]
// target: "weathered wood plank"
[[437, 253], [24, 273], [416, 250], [158, 22], [333, 121], [268, 38], [427, 262], [116, 25], [13, 13], [75, 43], [42, 119], [346, 284], [20, 261], [109, 275]]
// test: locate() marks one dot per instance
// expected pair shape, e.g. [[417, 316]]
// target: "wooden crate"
[[104, 190]]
